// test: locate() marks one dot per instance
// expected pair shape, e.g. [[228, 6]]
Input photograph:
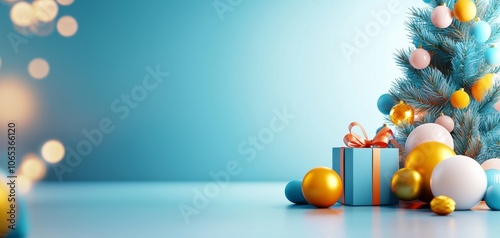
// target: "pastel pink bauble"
[[497, 106], [428, 132], [491, 164], [420, 59], [446, 122], [460, 178], [441, 17]]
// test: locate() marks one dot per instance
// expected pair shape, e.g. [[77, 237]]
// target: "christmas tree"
[[450, 70]]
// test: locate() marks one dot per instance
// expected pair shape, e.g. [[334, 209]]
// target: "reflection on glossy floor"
[[237, 210]]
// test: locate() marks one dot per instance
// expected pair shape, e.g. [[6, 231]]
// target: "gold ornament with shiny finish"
[[442, 205], [406, 184], [460, 99], [464, 10], [4, 207], [322, 187], [423, 158], [402, 113]]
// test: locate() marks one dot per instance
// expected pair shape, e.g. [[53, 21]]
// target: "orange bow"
[[381, 140]]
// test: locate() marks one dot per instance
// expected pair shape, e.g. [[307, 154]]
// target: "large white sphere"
[[460, 178], [428, 132], [491, 164]]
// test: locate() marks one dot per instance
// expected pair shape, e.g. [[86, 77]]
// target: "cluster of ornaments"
[[463, 11], [442, 17], [434, 174], [402, 113]]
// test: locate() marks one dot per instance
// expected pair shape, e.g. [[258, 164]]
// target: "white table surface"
[[260, 209]]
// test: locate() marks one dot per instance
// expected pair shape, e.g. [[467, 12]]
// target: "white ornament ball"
[[460, 178], [428, 132], [491, 164]]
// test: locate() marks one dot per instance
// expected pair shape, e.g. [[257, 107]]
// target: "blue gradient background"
[[226, 78]]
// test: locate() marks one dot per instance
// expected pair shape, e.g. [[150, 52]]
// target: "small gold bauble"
[[481, 87], [402, 113], [460, 99], [442, 205], [464, 10], [406, 184]]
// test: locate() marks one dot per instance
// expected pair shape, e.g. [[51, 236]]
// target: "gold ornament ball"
[[424, 158], [442, 205], [464, 10], [406, 184], [460, 99], [4, 207], [322, 187], [402, 113], [481, 87]]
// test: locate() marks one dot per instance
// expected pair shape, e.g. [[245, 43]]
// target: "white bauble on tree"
[[428, 132]]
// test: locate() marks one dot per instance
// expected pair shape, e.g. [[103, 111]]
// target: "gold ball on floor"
[[442, 205], [406, 184], [322, 187]]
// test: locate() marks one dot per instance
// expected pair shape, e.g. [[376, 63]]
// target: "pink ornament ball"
[[491, 164], [497, 106], [446, 122], [441, 17], [420, 59]]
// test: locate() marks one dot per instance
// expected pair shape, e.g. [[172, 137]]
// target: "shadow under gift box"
[[366, 174]]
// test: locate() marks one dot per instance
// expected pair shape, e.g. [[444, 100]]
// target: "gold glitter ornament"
[[442, 205], [402, 114]]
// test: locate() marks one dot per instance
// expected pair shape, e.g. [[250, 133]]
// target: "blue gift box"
[[366, 174]]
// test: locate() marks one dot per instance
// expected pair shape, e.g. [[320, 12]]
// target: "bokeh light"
[[33, 167], [17, 102], [10, 1], [53, 151], [65, 2], [38, 28], [38, 68], [24, 184], [22, 14], [67, 26], [45, 10], [43, 28], [24, 30]]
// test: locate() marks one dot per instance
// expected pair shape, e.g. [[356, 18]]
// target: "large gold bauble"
[[322, 187], [424, 158]]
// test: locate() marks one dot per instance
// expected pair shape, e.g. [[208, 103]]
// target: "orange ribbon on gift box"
[[381, 140]]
